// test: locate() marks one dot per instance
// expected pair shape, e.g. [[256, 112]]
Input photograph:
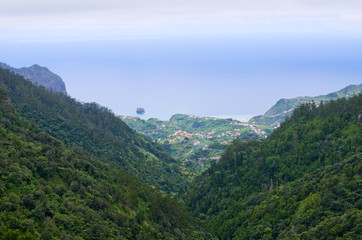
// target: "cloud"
[[165, 16], [179, 7]]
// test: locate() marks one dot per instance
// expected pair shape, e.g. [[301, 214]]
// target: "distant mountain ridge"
[[284, 107], [39, 75]]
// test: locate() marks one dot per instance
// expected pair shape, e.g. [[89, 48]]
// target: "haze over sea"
[[207, 58], [201, 76]]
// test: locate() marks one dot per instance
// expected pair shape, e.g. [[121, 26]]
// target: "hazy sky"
[[69, 20], [229, 57]]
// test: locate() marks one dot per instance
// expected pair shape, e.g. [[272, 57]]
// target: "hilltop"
[[40, 76], [196, 141], [284, 107]]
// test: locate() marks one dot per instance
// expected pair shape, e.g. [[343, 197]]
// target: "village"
[[192, 139]]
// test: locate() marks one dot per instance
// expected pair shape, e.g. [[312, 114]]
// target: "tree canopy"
[[303, 182]]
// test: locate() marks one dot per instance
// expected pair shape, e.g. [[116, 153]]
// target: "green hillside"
[[94, 129], [303, 182], [52, 191], [195, 141], [284, 107], [72, 170]]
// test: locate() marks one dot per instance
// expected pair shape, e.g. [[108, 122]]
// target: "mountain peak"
[[37, 66], [39, 75]]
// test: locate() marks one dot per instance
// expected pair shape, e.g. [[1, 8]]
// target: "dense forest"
[[96, 130], [49, 190], [72, 170], [303, 182]]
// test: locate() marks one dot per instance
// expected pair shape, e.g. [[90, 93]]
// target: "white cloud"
[[137, 17], [179, 7]]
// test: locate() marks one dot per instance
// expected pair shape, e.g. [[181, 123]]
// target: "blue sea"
[[206, 76]]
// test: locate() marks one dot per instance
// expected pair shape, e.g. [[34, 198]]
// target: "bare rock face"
[[6, 103], [5, 100], [40, 76]]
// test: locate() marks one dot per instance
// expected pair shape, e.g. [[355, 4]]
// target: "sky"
[[209, 58]]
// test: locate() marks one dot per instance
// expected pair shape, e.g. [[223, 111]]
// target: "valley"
[[195, 141], [72, 170], [180, 120], [198, 142]]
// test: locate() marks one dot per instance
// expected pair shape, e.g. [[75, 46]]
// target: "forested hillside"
[[63, 175], [52, 191], [303, 182], [94, 129]]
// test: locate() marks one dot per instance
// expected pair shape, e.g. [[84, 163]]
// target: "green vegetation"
[[195, 141], [96, 130], [284, 107], [303, 182], [52, 191], [71, 171], [198, 142]]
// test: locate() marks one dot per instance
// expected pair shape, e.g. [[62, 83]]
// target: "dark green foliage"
[[94, 129], [60, 178], [303, 182], [52, 191]]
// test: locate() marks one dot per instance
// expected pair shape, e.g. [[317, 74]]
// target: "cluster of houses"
[[196, 140]]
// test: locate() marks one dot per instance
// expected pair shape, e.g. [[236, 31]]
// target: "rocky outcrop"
[[39, 76]]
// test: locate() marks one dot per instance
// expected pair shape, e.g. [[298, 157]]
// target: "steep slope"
[[284, 107], [40, 76], [196, 141], [51, 191], [303, 182], [96, 130]]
